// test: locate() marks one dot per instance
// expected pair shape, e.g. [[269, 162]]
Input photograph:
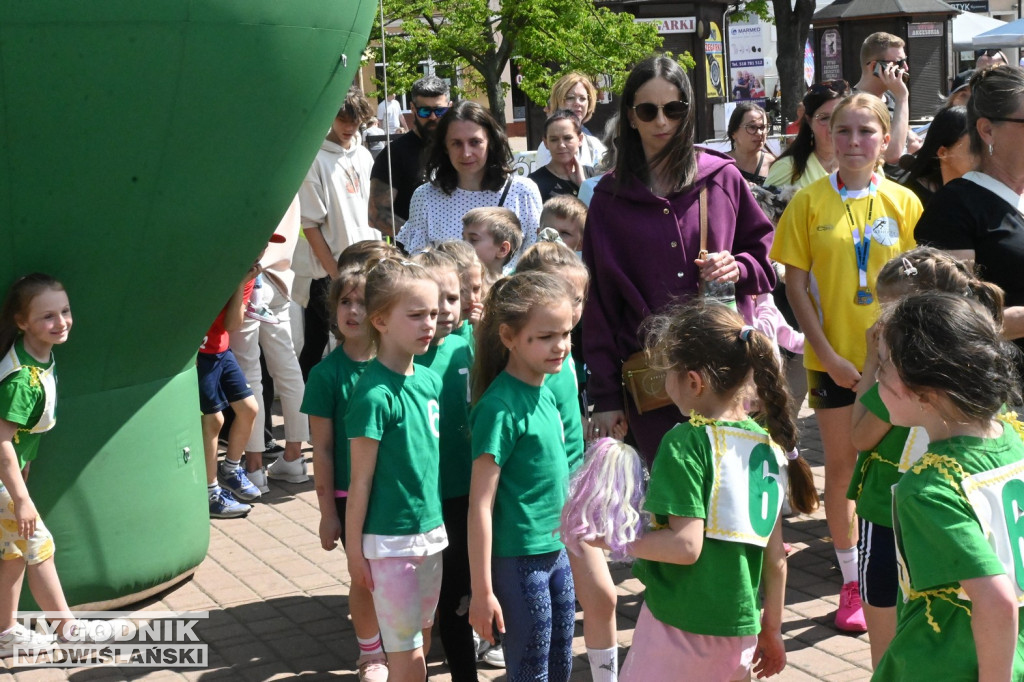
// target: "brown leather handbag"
[[645, 385]]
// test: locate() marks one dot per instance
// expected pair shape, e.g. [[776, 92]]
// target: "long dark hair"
[[803, 146], [17, 301], [499, 155], [678, 156], [948, 126], [737, 118]]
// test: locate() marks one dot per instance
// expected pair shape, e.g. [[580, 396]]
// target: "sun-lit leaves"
[[473, 42]]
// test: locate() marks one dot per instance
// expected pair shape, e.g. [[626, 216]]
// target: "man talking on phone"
[[885, 74]]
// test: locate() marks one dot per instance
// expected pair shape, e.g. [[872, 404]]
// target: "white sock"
[[232, 464], [604, 664], [848, 564], [373, 645]]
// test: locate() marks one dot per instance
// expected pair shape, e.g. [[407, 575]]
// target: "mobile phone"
[[878, 69]]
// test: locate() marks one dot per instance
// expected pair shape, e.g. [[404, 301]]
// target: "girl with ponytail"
[[715, 494]]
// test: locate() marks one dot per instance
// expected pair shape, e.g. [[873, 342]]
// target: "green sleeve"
[[493, 430], [942, 539], [680, 473], [873, 402], [320, 397], [368, 413], [18, 399]]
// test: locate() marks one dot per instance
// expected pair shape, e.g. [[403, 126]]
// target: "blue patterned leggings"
[[538, 601]]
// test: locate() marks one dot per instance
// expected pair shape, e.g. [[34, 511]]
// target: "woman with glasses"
[[642, 241], [748, 135], [810, 156], [470, 166], [979, 218], [575, 92]]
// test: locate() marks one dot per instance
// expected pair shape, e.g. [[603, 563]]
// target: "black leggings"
[[315, 326], [453, 604]]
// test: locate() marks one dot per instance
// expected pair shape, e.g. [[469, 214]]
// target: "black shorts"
[[824, 394], [341, 504], [876, 567]]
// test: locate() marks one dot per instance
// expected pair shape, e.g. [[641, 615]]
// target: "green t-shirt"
[[717, 595], [465, 331], [566, 391], [941, 540], [877, 470], [519, 424], [22, 401], [328, 390], [452, 361], [402, 412]]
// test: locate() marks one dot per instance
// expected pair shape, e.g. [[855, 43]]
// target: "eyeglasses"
[[1004, 119], [835, 87], [755, 129], [673, 111], [425, 112]]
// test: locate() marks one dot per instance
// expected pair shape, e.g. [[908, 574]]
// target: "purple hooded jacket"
[[640, 250]]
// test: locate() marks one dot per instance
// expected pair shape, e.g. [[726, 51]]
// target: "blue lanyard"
[[861, 243]]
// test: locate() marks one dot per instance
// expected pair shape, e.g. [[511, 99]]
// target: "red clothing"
[[216, 340]]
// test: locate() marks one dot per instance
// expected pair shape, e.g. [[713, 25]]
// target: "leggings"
[[315, 326], [538, 602], [453, 605]]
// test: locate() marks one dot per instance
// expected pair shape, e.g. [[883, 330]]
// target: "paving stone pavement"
[[278, 602]]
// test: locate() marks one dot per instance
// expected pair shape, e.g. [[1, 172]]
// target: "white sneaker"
[[25, 640], [292, 472], [259, 479]]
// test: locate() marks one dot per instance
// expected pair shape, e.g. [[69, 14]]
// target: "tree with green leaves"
[[478, 39], [792, 19]]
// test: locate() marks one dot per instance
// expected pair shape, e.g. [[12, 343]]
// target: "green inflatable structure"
[[147, 151]]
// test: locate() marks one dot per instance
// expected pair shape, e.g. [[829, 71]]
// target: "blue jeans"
[[538, 602]]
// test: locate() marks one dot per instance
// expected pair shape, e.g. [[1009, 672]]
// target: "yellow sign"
[[713, 52]]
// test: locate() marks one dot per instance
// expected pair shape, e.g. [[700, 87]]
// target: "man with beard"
[[406, 156]]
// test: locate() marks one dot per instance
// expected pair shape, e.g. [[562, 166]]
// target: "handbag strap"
[[504, 191], [702, 200]]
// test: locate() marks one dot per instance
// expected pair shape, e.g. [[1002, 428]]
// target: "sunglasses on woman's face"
[[673, 111]]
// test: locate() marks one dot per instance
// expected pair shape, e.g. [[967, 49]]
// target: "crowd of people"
[[468, 332]]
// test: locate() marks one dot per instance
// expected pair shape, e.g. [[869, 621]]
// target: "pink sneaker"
[[373, 668], [850, 616]]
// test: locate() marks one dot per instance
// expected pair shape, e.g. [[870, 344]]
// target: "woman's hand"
[[612, 424], [483, 611], [719, 266], [574, 170]]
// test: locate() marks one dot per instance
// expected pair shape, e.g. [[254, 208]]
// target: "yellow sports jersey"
[[815, 234]]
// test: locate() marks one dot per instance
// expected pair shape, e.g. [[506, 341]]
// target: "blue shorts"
[[221, 381]]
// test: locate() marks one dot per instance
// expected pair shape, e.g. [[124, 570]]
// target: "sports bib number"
[[997, 497], [434, 417], [748, 489]]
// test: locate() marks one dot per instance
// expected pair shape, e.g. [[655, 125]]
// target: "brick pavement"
[[278, 602]]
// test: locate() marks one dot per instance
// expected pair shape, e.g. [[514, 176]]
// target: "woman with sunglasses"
[[979, 218], [574, 91], [748, 134], [470, 166], [810, 156], [642, 241]]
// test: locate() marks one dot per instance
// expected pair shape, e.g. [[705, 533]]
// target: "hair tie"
[[793, 455], [549, 234], [908, 268], [745, 333]]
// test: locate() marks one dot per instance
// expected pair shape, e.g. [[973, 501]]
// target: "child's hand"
[[770, 657], [600, 543], [476, 313], [26, 515], [843, 372], [330, 532], [483, 611], [359, 570]]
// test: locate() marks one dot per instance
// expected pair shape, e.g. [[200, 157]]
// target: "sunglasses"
[[673, 111], [1004, 119], [425, 112], [902, 63], [836, 87]]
